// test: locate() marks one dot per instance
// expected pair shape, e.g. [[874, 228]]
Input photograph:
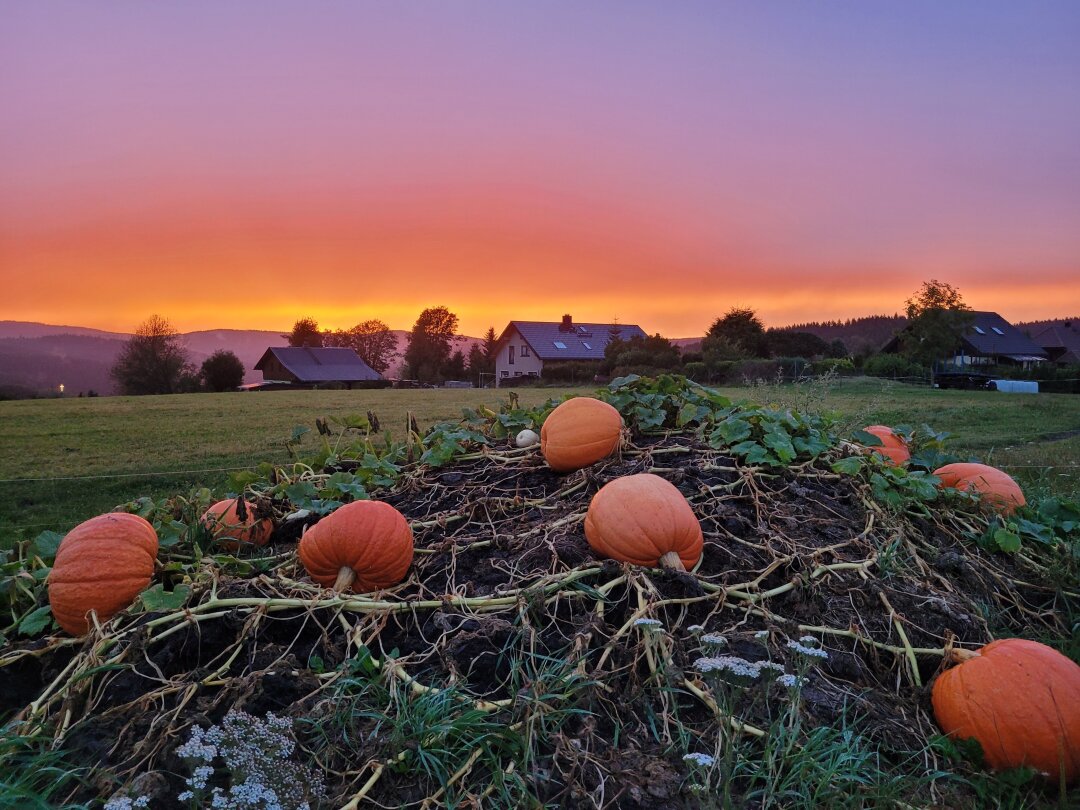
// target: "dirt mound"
[[515, 668]]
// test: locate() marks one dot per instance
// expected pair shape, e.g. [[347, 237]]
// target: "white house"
[[524, 346]]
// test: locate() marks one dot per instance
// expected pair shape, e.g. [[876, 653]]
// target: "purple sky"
[[659, 162]]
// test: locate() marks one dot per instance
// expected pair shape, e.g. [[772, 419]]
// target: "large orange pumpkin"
[[892, 447], [580, 432], [643, 519], [224, 523], [995, 486], [102, 565], [364, 545], [1020, 700]]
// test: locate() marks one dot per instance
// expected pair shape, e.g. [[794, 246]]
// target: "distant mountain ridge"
[[36, 358]]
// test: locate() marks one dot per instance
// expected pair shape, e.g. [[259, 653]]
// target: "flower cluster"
[[791, 681], [256, 753], [127, 803], [728, 665], [648, 623], [810, 652], [714, 639]]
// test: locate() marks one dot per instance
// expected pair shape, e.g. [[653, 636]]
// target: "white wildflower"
[[695, 629], [810, 652], [703, 760], [715, 639], [649, 623], [791, 681], [809, 641], [728, 664], [761, 635], [770, 669]]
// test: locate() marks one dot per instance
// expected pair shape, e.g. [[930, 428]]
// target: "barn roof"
[[320, 365], [570, 341], [990, 334], [1061, 339]]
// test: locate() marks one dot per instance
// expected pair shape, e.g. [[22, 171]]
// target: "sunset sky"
[[243, 164]]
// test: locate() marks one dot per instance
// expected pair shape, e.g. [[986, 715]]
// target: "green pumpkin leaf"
[[36, 621], [1007, 541], [46, 544], [157, 598]]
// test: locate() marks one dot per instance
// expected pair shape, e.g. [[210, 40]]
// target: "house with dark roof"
[[304, 366], [987, 340], [1061, 342], [525, 346]]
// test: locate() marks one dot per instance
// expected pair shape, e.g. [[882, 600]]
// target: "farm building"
[[1061, 342], [525, 346], [306, 366], [988, 340]]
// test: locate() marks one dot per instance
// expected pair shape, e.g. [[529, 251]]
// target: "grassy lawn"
[[64, 460]]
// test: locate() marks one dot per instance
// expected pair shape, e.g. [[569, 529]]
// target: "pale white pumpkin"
[[527, 438]]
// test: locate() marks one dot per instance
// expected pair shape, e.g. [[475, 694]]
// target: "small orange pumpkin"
[[1020, 699], [364, 545], [580, 432], [643, 519], [231, 532], [892, 447], [995, 486], [102, 565]]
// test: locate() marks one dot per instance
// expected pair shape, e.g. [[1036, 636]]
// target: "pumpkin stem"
[[959, 655], [672, 561], [345, 577]]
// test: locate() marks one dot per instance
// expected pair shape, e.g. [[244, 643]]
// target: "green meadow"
[[64, 460]]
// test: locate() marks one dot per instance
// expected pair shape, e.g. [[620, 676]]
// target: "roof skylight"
[[979, 329], [997, 331], [559, 344]]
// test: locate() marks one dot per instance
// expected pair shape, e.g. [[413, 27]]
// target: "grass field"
[[64, 460]]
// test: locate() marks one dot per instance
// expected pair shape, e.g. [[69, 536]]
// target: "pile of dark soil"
[[565, 680]]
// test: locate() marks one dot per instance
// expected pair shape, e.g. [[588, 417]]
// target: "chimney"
[[567, 324]]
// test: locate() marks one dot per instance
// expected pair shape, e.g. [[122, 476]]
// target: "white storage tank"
[[1017, 386]]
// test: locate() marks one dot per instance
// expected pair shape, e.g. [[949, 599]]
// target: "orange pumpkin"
[[580, 432], [102, 565], [892, 447], [364, 545], [224, 523], [1020, 700], [995, 486], [643, 519]]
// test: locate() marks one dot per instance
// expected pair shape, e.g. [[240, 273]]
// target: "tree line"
[[154, 360]]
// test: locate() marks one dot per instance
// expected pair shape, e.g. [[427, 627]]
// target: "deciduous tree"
[[222, 371], [937, 317], [305, 332], [153, 361], [430, 343], [740, 327], [371, 339]]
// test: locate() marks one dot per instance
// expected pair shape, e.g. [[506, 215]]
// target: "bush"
[[892, 365], [696, 371], [569, 371], [834, 365]]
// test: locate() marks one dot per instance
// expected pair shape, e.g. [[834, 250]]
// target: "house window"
[[524, 351], [505, 373], [979, 329], [517, 373], [997, 331], [586, 345], [559, 344], [511, 355]]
